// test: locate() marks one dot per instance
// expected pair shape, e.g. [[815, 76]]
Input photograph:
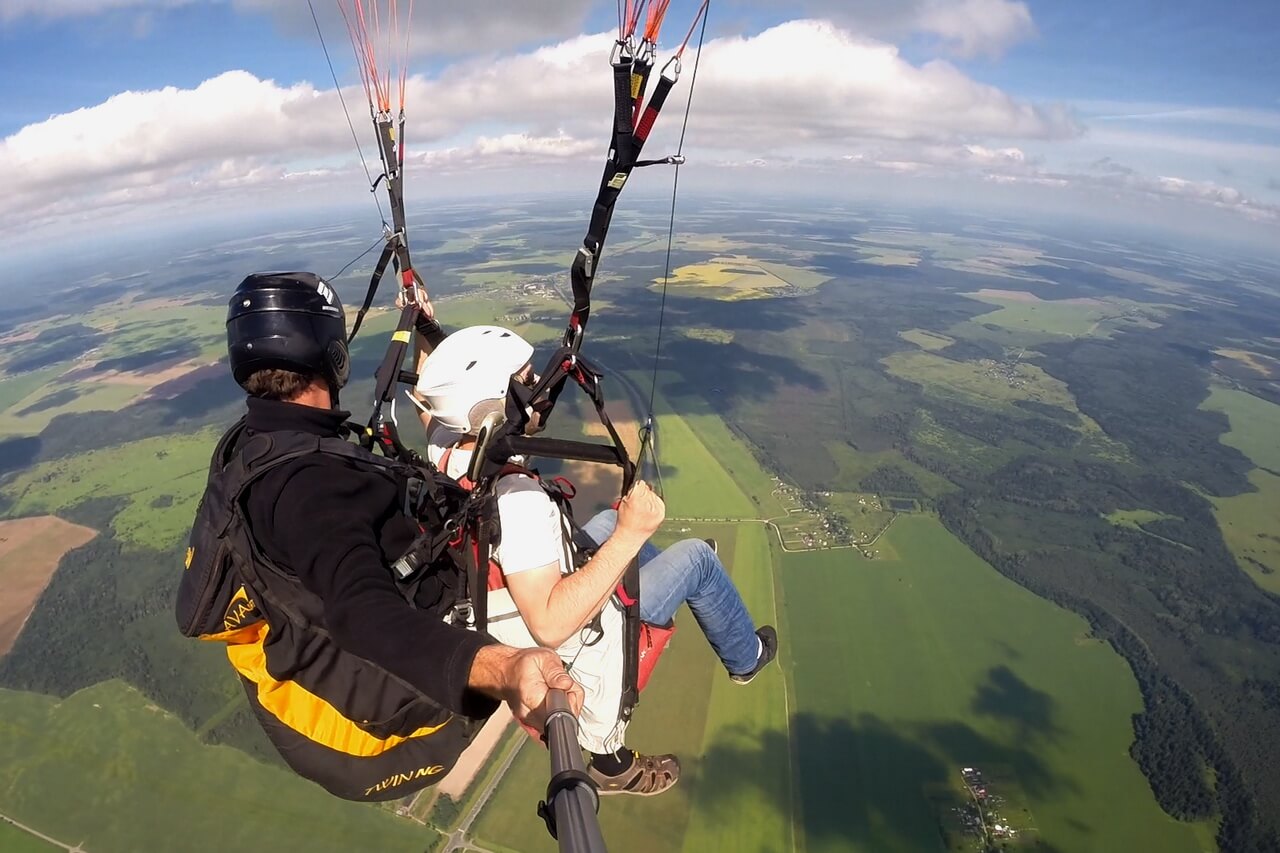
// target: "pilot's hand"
[[641, 512], [531, 673]]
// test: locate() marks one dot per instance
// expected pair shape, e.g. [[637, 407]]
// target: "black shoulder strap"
[[244, 460]]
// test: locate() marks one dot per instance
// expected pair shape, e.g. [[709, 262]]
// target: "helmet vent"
[[471, 365]]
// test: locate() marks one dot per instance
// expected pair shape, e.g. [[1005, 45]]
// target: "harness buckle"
[[565, 485], [462, 614], [406, 567]]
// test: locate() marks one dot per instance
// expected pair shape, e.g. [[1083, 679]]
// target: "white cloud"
[[933, 165], [977, 27], [834, 84], [966, 27], [840, 102], [152, 133], [51, 9], [1107, 177], [508, 151], [138, 147], [833, 87], [454, 28], [475, 26], [552, 102]]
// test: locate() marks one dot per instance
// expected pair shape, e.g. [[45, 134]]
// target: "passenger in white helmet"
[[545, 601]]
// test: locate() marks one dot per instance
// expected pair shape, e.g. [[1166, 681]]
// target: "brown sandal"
[[648, 775]]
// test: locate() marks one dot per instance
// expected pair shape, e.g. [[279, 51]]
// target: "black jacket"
[[338, 528]]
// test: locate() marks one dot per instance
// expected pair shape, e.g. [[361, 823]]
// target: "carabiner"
[[673, 65]]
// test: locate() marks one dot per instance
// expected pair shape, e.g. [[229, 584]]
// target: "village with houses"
[[823, 520], [990, 817]]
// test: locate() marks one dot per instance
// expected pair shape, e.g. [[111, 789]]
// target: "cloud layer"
[[806, 93], [965, 27], [834, 90], [442, 28]]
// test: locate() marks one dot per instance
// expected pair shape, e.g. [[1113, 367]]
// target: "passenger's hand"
[[530, 674], [420, 295], [641, 512]]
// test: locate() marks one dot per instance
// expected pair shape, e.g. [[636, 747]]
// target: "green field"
[[14, 840], [162, 478], [90, 396], [110, 770], [1135, 518], [1068, 319], [926, 339], [1251, 525], [751, 484], [130, 327], [135, 326], [1255, 424], [697, 484], [901, 670], [15, 389], [1250, 522], [905, 671], [982, 383], [854, 466]]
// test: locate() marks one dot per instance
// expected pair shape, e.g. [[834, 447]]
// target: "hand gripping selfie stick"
[[572, 801]]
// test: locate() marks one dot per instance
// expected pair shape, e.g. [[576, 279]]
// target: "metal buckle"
[[462, 614], [673, 64], [622, 50]]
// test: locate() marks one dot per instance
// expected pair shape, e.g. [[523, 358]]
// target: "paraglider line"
[[376, 244], [671, 225], [354, 138]]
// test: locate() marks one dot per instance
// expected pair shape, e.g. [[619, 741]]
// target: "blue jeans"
[[690, 571]]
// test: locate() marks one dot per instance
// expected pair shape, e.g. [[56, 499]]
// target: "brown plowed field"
[[30, 549], [473, 758], [598, 484]]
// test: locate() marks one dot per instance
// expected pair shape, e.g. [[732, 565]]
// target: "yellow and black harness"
[[337, 719]]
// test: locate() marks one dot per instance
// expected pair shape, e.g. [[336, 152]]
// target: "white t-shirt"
[[534, 534]]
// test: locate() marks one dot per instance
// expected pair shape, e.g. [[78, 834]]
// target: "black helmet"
[[287, 321]]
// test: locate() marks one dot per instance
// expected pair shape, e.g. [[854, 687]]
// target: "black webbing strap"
[[381, 430], [478, 578], [630, 79], [557, 448], [623, 104], [631, 641], [388, 252]]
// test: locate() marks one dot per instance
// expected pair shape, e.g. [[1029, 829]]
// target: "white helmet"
[[471, 368]]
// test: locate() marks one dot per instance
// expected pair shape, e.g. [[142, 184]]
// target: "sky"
[[139, 114]]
